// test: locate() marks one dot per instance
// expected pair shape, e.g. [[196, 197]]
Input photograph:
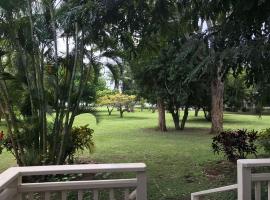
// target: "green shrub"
[[81, 138], [235, 144], [264, 140]]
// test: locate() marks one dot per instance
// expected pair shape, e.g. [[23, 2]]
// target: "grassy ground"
[[179, 162]]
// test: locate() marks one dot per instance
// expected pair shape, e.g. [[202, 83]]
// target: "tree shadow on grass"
[[135, 118], [198, 119], [233, 121], [116, 117], [172, 131], [195, 130], [226, 121], [198, 122], [264, 113]]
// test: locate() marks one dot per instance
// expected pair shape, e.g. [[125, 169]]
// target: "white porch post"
[[244, 181], [19, 182], [141, 191]]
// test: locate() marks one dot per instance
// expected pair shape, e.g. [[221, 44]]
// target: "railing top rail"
[[254, 162], [12, 173], [85, 168], [8, 176], [215, 190], [78, 185]]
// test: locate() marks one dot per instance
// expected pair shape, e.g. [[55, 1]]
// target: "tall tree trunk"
[[70, 89], [217, 90], [153, 108], [176, 121], [185, 116], [197, 112], [121, 114], [207, 114], [121, 110], [58, 103], [161, 115], [109, 110]]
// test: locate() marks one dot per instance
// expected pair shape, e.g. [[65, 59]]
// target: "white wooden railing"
[[245, 181], [13, 188]]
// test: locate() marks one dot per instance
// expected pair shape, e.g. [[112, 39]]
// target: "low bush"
[[235, 144], [81, 139], [264, 140]]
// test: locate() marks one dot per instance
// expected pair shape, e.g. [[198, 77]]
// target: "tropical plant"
[[43, 88], [235, 144], [81, 138]]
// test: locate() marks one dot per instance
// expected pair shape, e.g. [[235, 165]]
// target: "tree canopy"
[[177, 54]]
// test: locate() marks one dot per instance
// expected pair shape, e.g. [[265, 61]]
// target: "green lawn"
[[178, 163]]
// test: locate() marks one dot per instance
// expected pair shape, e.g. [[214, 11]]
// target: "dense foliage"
[[81, 139], [179, 54], [45, 83], [264, 140], [235, 144], [169, 76], [238, 96]]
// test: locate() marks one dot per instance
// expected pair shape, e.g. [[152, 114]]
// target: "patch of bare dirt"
[[219, 170]]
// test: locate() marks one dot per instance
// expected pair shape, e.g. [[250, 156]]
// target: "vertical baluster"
[[47, 196], [258, 190], [80, 195], [31, 196], [195, 198], [126, 194], [112, 194], [95, 195], [64, 195], [268, 185], [133, 195]]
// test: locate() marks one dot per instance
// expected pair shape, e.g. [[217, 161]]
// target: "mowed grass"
[[177, 161]]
